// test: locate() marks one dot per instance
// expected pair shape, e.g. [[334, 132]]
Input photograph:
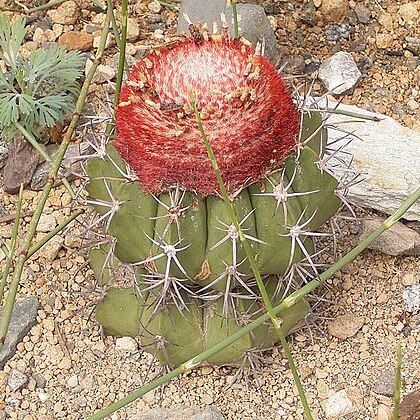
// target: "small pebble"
[[384, 384], [334, 11], [46, 223], [413, 104], [154, 6], [17, 380], [411, 298], [73, 381], [345, 326], [126, 344]]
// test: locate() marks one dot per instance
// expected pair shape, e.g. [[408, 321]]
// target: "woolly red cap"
[[247, 113]]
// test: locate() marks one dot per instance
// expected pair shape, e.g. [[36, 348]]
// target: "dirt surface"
[[73, 371]]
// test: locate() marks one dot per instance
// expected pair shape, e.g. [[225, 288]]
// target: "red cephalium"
[[248, 116]]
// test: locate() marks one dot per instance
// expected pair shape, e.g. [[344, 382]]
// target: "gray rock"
[[17, 380], [179, 412], [204, 11], [411, 298], [211, 413], [71, 164], [3, 211], [20, 165], [382, 151], [384, 384], [23, 318], [362, 12], [253, 23], [399, 240], [39, 380], [339, 73]]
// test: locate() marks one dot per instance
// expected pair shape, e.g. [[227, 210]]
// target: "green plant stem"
[[13, 240], [255, 271], [55, 166], [123, 42], [397, 386], [287, 303], [235, 19], [31, 139], [352, 114], [38, 245]]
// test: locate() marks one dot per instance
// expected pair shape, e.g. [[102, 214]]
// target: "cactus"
[[173, 268]]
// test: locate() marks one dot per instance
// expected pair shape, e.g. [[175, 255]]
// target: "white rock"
[[43, 396], [385, 153], [411, 298], [154, 6], [17, 380], [409, 279], [73, 381], [413, 104], [338, 405], [46, 223], [126, 344], [339, 73], [44, 36], [103, 73]]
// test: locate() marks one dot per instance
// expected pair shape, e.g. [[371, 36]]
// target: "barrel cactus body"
[[175, 271]]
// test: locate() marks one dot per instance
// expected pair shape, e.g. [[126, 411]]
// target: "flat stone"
[[65, 14], [410, 406], [384, 384], [17, 380], [399, 240], [411, 298], [339, 73], [75, 40], [15, 172], [23, 318], [253, 23], [381, 150], [71, 164], [345, 326]]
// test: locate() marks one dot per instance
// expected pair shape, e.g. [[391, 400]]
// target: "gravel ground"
[[73, 371]]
